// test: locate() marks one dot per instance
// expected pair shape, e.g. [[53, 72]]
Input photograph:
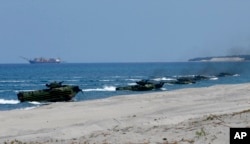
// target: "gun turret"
[[54, 84]]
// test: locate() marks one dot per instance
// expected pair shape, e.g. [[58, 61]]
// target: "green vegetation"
[[200, 133], [245, 57]]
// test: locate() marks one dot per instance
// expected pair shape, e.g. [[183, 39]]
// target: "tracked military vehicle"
[[143, 85], [55, 92]]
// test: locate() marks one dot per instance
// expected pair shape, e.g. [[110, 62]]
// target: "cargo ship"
[[42, 60]]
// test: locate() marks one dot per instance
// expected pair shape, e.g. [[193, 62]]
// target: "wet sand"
[[193, 115]]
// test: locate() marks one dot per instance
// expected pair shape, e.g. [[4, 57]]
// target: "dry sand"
[[186, 116]]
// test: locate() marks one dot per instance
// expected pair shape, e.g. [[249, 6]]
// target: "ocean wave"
[[164, 79], [132, 79], [163, 89], [214, 78], [2, 91], [106, 80], [28, 108], [35, 103], [9, 81], [17, 91], [105, 88], [131, 84], [4, 101], [71, 80], [13, 81], [77, 77]]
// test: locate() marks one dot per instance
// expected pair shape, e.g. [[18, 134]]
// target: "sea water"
[[99, 80]]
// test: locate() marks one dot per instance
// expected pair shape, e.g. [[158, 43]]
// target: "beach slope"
[[193, 115]]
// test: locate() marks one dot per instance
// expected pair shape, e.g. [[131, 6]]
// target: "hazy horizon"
[[123, 31]]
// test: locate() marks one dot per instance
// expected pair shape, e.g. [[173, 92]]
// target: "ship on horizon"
[[42, 60]]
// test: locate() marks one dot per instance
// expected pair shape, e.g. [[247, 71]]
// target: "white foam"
[[105, 88], [131, 84], [163, 79], [236, 75], [35, 103], [28, 108], [105, 80], [214, 78], [3, 101], [132, 79], [12, 81], [17, 91], [164, 89]]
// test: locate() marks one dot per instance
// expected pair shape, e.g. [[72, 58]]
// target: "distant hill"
[[221, 58]]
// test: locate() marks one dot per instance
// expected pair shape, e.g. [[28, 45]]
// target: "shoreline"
[[191, 115]]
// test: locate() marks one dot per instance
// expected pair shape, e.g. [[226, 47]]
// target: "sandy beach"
[[186, 116]]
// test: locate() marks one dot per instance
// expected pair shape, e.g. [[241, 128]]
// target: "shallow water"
[[99, 80]]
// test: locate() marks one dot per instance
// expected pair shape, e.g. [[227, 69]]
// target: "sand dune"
[[194, 115]]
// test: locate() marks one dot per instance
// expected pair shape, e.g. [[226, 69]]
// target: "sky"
[[86, 31]]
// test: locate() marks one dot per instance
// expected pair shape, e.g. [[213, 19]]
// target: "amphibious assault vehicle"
[[55, 92], [143, 85]]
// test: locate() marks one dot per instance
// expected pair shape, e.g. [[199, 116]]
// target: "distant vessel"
[[42, 60]]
